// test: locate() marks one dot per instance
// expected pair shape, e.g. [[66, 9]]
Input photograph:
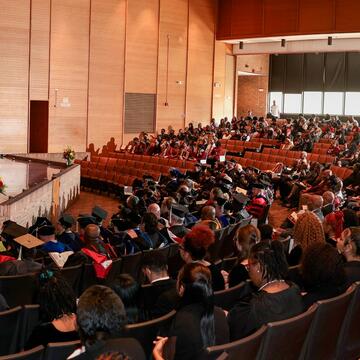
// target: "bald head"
[[328, 197], [154, 209], [208, 213], [92, 232]]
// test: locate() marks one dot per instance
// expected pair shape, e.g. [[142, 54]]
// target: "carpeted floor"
[[88, 200]]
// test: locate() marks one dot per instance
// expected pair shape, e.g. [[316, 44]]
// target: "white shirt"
[[274, 110]]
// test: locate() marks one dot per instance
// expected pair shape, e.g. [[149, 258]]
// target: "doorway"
[[39, 126]]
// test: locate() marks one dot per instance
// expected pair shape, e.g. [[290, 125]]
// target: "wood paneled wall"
[[241, 19], [200, 61], [106, 72], [14, 74], [82, 56]]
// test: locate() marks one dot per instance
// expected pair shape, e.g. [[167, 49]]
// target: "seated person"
[[197, 323], [349, 246], [322, 272], [164, 296], [328, 202], [258, 202], [129, 292], [275, 300], [194, 249], [47, 234], [57, 310], [245, 238], [333, 225], [208, 218], [66, 235], [266, 232], [101, 318]]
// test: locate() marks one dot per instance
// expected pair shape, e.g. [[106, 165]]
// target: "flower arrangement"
[[2, 187], [69, 155]]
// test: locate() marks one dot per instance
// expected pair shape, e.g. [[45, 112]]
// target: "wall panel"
[[14, 74], [229, 86], [39, 52], [281, 17], [247, 17], [321, 10], [69, 74], [200, 61], [106, 73], [347, 15], [219, 81], [141, 46], [172, 64]]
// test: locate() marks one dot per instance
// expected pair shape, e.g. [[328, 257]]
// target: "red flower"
[[1, 184]]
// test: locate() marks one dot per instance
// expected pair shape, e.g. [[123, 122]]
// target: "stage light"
[[330, 40], [241, 45], [283, 42]]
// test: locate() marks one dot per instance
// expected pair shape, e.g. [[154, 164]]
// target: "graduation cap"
[[46, 230], [240, 200], [40, 222], [84, 220], [28, 241], [12, 230], [67, 220], [99, 213], [179, 210]]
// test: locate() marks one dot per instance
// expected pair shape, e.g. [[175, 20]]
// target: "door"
[[39, 126]]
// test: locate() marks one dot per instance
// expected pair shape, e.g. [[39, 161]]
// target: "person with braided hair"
[[307, 230], [275, 299]]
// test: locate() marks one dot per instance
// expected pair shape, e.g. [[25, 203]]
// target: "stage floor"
[[22, 175]]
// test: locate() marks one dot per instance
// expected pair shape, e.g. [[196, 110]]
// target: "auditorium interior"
[[180, 179]]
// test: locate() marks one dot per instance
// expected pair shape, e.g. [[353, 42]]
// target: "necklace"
[[270, 282]]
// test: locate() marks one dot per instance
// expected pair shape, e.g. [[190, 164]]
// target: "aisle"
[[87, 200]]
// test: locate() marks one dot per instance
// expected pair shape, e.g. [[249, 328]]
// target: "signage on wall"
[[65, 103]]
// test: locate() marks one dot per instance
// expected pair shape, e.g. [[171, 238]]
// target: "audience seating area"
[[327, 330], [119, 169]]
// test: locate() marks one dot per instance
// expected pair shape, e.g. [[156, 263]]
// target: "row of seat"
[[328, 330], [341, 172], [241, 146], [177, 163], [297, 154]]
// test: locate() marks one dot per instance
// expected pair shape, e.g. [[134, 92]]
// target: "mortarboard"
[[40, 222], [67, 220], [28, 241], [12, 230], [46, 230], [99, 213], [258, 186], [84, 220], [221, 201], [240, 199], [179, 210]]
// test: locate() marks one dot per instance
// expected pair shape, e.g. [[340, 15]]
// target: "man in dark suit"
[[161, 295]]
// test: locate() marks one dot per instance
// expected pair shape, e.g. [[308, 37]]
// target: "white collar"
[[161, 279]]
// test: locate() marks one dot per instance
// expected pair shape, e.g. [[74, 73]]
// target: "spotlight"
[[283, 42], [241, 45], [330, 40]]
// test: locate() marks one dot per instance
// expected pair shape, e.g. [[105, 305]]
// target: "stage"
[[36, 187]]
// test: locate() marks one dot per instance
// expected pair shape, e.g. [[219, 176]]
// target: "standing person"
[[274, 110]]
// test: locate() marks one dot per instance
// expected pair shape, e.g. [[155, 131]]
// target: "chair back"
[[60, 351], [348, 346], [321, 339], [131, 264], [227, 298], [33, 354], [114, 271], [244, 349], [88, 277], [10, 288], [276, 339], [10, 321], [30, 318], [73, 275], [147, 331]]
